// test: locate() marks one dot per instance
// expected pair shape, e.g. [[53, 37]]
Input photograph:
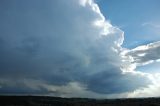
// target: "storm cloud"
[[64, 48]]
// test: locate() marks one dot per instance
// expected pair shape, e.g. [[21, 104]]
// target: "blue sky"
[[139, 19]]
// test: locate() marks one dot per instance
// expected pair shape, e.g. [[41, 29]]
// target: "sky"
[[140, 21], [80, 48]]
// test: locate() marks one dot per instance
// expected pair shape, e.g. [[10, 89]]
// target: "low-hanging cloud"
[[64, 48]]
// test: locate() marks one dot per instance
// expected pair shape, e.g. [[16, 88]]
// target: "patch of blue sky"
[[150, 68], [139, 19]]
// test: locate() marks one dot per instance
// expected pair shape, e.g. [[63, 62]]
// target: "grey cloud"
[[145, 54], [56, 42]]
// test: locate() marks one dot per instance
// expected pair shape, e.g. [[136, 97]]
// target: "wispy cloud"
[[151, 24]]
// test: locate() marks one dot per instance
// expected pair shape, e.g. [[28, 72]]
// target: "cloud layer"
[[145, 54], [66, 48]]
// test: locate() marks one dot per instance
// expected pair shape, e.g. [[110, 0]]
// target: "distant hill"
[[57, 101]]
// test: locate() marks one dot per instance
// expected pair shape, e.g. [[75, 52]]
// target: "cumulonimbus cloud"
[[59, 46]]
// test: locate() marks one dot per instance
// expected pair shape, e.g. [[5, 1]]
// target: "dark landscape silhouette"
[[57, 101]]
